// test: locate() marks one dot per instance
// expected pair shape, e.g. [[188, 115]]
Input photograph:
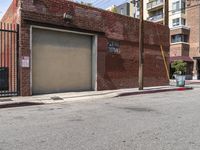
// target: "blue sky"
[[4, 4], [105, 3]]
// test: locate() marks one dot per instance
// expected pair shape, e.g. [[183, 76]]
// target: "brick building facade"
[[185, 39], [115, 42], [193, 22]]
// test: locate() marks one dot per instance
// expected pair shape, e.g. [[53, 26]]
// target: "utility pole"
[[166, 13], [141, 48], [166, 23]]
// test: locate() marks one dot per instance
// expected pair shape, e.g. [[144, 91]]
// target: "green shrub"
[[179, 66]]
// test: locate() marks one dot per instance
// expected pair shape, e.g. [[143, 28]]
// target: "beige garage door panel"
[[61, 62]]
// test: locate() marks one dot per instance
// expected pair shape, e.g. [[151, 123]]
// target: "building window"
[[182, 21], [175, 6], [138, 6], [179, 38], [183, 6], [178, 6], [178, 22], [122, 11]]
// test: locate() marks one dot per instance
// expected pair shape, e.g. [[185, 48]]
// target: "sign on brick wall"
[[114, 47], [25, 62]]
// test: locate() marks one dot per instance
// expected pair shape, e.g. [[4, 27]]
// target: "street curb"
[[155, 91], [20, 104], [111, 95]]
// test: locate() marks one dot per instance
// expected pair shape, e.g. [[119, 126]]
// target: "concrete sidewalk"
[[78, 96]]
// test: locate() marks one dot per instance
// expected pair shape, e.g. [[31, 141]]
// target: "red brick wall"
[[179, 49], [114, 71], [11, 15]]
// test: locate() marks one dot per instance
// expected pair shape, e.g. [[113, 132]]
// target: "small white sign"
[[25, 62]]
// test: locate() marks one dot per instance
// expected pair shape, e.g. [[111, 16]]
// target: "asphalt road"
[[165, 121]]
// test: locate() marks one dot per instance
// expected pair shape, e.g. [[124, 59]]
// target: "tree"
[[179, 66], [114, 9]]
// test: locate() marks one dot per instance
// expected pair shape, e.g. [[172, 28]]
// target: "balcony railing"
[[155, 18], [154, 4]]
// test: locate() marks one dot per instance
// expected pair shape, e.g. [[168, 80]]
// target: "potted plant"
[[180, 70]]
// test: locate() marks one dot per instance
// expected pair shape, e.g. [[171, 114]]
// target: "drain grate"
[[6, 100], [56, 98]]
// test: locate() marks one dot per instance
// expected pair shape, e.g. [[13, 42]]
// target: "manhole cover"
[[6, 100], [56, 98]]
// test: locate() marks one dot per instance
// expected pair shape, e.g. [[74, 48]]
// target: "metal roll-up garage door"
[[61, 61]]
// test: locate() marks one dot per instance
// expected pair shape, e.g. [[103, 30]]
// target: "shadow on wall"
[[114, 62]]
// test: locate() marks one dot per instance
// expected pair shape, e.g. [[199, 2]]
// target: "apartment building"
[[193, 22], [134, 8], [123, 9], [184, 24], [154, 10]]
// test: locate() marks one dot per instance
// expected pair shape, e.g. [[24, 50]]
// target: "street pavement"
[[159, 121]]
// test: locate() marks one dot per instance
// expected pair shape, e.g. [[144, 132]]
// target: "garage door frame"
[[94, 53]]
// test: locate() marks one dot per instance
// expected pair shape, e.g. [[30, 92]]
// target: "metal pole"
[[166, 13], [141, 48], [18, 62]]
